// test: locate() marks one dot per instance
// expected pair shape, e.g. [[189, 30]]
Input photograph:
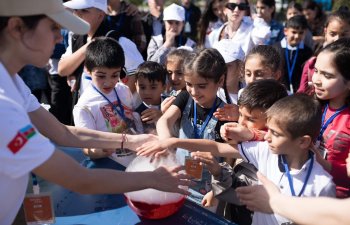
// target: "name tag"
[[193, 168], [38, 209]]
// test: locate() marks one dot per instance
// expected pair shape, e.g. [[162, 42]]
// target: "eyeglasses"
[[241, 6]]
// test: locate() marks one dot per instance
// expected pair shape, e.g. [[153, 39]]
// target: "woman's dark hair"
[[30, 21], [270, 4], [269, 56], [207, 17], [207, 63]]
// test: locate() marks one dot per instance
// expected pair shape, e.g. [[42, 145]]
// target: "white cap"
[[85, 4], [229, 50], [174, 12], [184, 47], [133, 57], [52, 8]]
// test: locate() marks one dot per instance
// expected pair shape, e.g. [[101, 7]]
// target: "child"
[[106, 105], [255, 99], [233, 56], [331, 81], [212, 18], [285, 157], [294, 9], [204, 75], [337, 26], [262, 62], [266, 9], [174, 65], [293, 51], [316, 19], [160, 45], [150, 84], [176, 83]]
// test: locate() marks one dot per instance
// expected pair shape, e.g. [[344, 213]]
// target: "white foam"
[[152, 196]]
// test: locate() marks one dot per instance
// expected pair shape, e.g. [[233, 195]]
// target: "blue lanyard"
[[290, 179], [34, 179], [289, 68], [204, 125], [330, 119], [121, 111]]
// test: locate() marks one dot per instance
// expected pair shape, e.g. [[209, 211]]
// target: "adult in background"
[[128, 25], [192, 16], [152, 21], [240, 27]]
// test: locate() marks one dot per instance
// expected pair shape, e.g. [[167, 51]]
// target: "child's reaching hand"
[[227, 113], [164, 106], [151, 115], [234, 133], [209, 200], [155, 148], [209, 160]]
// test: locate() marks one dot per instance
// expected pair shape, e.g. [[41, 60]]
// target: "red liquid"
[[154, 211]]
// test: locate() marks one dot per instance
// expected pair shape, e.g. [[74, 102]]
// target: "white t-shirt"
[[22, 147], [222, 96], [249, 34], [319, 183], [93, 111]]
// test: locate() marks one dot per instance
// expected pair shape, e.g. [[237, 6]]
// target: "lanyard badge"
[[320, 145], [38, 208], [290, 68], [193, 168]]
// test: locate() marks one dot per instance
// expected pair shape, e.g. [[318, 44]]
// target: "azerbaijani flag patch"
[[21, 138]]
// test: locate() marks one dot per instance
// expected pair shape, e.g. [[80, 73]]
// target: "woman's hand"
[[259, 197], [171, 180]]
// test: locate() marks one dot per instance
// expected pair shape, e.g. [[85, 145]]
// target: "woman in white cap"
[[240, 27], [29, 31], [160, 45]]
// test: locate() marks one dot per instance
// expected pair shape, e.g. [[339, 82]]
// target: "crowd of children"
[[232, 96]]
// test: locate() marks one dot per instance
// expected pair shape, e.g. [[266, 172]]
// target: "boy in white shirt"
[[285, 158], [106, 104]]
